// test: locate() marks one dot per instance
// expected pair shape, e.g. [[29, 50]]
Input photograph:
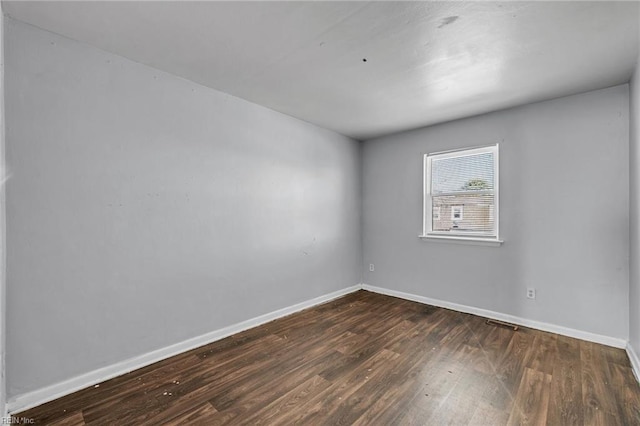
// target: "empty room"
[[320, 213]]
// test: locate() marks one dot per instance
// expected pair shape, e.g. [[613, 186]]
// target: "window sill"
[[476, 241]]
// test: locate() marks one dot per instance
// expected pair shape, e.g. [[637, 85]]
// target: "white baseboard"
[[49, 393], [543, 326], [635, 361]]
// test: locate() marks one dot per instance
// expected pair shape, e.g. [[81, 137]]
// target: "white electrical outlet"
[[371, 267], [531, 293]]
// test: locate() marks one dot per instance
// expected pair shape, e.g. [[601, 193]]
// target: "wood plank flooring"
[[368, 359]]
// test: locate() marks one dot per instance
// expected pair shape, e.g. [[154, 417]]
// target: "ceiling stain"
[[448, 20]]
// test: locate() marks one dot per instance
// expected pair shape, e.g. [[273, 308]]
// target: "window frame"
[[427, 216]]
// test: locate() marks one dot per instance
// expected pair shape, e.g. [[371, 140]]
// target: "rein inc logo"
[[17, 421]]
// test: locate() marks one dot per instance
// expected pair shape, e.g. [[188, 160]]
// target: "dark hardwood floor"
[[368, 359]]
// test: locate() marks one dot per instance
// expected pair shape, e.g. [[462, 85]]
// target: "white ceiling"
[[426, 62]]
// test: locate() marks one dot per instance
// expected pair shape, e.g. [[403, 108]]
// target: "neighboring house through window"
[[461, 193]]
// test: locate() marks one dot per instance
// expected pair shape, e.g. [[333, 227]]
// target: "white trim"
[[427, 204], [462, 149], [543, 326], [635, 361], [58, 390], [465, 240], [49, 393]]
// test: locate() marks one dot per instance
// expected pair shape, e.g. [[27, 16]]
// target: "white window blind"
[[461, 193]]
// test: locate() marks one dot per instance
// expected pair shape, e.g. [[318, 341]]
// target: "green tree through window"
[[476, 185]]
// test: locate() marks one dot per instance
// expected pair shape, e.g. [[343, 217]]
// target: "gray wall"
[[144, 209], [634, 201], [564, 210], [3, 234]]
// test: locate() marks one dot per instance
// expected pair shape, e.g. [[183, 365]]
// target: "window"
[[461, 194], [436, 212], [456, 213]]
